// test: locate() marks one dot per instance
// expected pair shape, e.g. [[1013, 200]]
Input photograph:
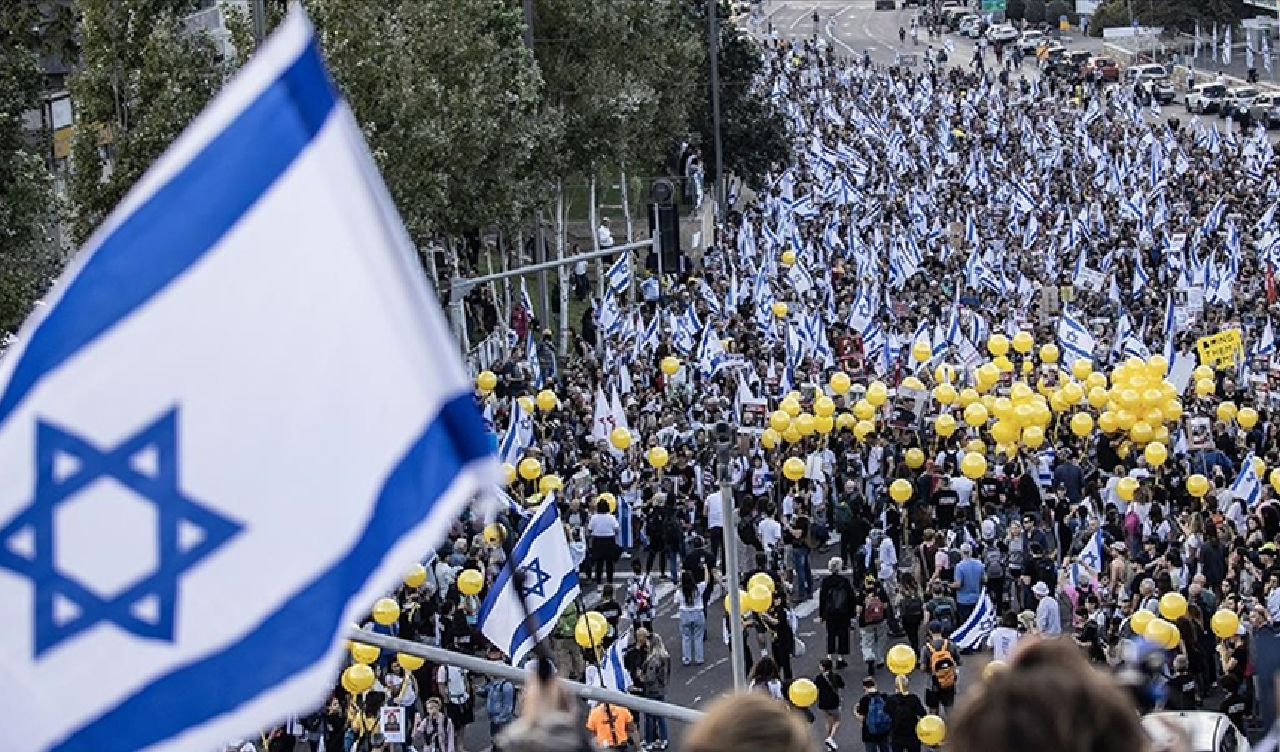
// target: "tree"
[[755, 135], [1034, 12], [1015, 10], [1056, 9], [143, 77], [451, 103], [1109, 15], [29, 254]]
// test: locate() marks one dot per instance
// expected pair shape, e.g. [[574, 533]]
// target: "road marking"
[[702, 671], [834, 37]]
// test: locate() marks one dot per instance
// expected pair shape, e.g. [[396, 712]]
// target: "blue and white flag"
[[1247, 486], [618, 278], [613, 672], [973, 633], [1075, 339], [519, 435], [238, 419], [1090, 556], [549, 585]]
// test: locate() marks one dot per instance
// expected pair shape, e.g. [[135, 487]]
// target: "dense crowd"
[[948, 238]]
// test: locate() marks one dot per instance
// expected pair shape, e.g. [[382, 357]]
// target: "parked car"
[[976, 30], [1235, 104], [1144, 72], [1266, 110], [1203, 731], [1002, 33], [1107, 65], [1029, 41], [1205, 98], [967, 23]]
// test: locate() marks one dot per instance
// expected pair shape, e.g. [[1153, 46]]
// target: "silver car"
[[1201, 730], [1266, 110]]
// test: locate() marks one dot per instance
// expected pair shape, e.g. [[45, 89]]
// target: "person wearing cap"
[[1048, 615]]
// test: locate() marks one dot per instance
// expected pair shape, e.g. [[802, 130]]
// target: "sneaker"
[[842, 663], [831, 743]]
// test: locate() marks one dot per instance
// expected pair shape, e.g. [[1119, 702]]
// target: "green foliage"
[[1183, 14], [1109, 14], [29, 255], [1015, 10], [1056, 9], [142, 78], [1034, 12]]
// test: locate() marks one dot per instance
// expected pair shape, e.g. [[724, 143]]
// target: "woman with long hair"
[[654, 674], [693, 620], [765, 677]]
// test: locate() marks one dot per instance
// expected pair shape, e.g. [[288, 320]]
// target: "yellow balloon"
[[670, 365], [976, 446], [900, 660], [658, 457], [1020, 393], [914, 458], [944, 374], [1004, 431], [526, 403], [759, 599], [945, 394], [780, 309], [1129, 399], [1205, 387], [790, 405], [793, 468], [1024, 415], [1225, 624], [945, 425], [900, 490], [968, 396], [742, 602], [529, 468], [1125, 419], [1033, 437], [1049, 353], [845, 421], [1140, 620], [546, 400], [805, 425], [1202, 372], [1163, 634], [1107, 422], [779, 420], [416, 575], [1127, 488], [1081, 424], [1002, 408], [769, 438], [997, 345], [1003, 364], [1156, 453], [1198, 485], [788, 257], [1022, 342], [1172, 410], [824, 424], [1247, 417], [550, 483], [864, 410], [486, 381], [357, 678], [1275, 479], [508, 473], [591, 629], [877, 393], [362, 653], [803, 693], [1098, 397], [409, 662], [840, 382], [763, 579], [975, 415], [973, 465], [1096, 379], [1162, 435], [921, 351], [931, 730], [386, 611], [620, 438], [824, 406], [1082, 369], [1226, 411], [1141, 432], [862, 429], [1173, 605], [1072, 393], [1156, 366], [987, 375], [494, 533], [470, 582]]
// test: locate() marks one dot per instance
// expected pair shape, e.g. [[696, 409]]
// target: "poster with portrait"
[[1199, 433], [391, 723], [755, 416]]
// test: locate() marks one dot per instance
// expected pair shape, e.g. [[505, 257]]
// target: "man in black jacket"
[[835, 610]]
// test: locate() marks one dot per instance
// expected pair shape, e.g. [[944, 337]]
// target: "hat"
[[1140, 472], [1118, 546], [935, 626], [988, 529], [1268, 548], [1040, 589]]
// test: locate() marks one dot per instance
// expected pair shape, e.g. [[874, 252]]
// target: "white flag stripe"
[[345, 427], [973, 633]]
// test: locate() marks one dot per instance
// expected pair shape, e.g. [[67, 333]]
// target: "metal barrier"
[[483, 356], [520, 676]]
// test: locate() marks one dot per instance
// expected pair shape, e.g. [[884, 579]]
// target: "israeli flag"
[[1091, 557], [973, 633], [244, 366], [1075, 339], [618, 278], [549, 585], [1247, 486], [613, 672], [1267, 342], [519, 435], [531, 355]]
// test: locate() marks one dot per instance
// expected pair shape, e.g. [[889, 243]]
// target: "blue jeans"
[[804, 574], [693, 627], [655, 726]]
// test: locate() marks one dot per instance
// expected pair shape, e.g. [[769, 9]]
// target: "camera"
[[724, 433]]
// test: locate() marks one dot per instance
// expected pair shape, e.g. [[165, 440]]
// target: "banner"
[[1222, 349]]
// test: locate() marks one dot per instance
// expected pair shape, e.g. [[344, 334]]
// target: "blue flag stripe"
[[174, 229], [164, 709], [519, 553]]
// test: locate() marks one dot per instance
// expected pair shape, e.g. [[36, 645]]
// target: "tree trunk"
[[626, 218]]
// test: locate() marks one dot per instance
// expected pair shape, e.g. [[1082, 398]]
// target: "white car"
[[1002, 33], [1202, 730], [967, 24], [1030, 41], [1206, 98]]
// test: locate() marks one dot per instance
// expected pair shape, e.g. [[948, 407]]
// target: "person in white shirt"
[[769, 530], [888, 572], [602, 536], [604, 236], [963, 488], [1048, 616], [1004, 637], [713, 510]]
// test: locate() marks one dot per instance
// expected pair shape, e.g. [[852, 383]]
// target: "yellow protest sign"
[[1221, 349]]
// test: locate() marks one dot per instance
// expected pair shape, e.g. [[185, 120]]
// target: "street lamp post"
[[713, 42], [725, 435]]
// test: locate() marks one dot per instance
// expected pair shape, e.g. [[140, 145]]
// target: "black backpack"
[[837, 605], [842, 515], [747, 534], [912, 609]]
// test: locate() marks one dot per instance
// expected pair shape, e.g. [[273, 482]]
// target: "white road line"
[[702, 671], [834, 37]]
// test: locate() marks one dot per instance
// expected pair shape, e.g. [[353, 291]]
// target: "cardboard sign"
[[755, 416], [391, 723], [1199, 433], [1091, 280], [1222, 349]]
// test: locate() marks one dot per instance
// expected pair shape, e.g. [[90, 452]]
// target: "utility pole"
[[528, 24], [259, 20], [725, 435], [713, 32]]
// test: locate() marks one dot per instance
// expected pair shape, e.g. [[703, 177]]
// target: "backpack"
[[748, 534], [945, 614], [878, 721], [873, 609], [942, 665], [837, 603], [842, 515], [995, 563], [493, 702], [912, 609]]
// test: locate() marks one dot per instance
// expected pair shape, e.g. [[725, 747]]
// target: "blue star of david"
[[534, 580], [64, 607]]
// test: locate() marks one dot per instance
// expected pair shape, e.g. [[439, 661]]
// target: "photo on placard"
[[1199, 433], [907, 407], [755, 416]]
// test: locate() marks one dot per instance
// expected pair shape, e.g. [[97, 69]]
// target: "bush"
[[1034, 11], [1109, 15], [1015, 10], [1057, 9]]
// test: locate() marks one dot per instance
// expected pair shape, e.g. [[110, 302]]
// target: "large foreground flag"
[[237, 421], [548, 584]]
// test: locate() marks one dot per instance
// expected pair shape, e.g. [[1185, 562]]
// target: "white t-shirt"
[[714, 510], [963, 488], [602, 526], [696, 605], [1002, 641], [770, 532]]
